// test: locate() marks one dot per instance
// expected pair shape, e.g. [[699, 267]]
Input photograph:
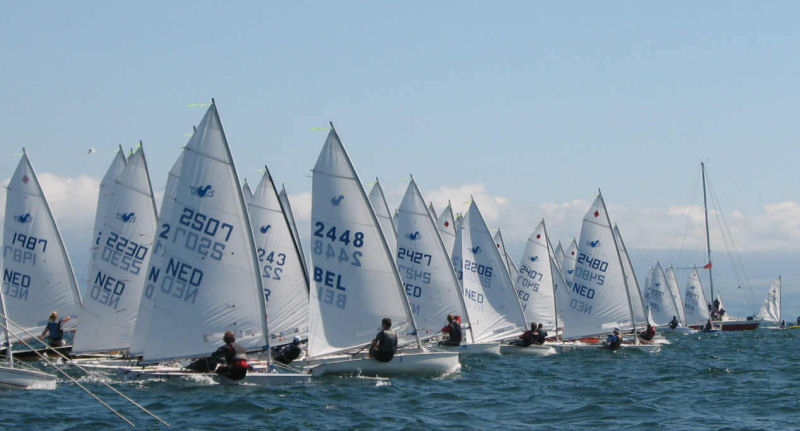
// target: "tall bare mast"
[[708, 235]]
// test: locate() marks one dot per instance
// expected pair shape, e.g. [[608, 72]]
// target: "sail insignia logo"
[[476, 250], [534, 258], [264, 229], [594, 243], [205, 191], [336, 200], [24, 218], [413, 236], [127, 217]]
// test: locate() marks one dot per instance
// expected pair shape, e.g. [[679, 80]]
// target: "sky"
[[528, 107]]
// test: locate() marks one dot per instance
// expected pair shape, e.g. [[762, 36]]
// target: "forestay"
[[658, 299], [501, 247], [640, 315], [695, 301], [675, 292], [203, 278], [37, 274], [598, 300], [771, 310], [489, 295], [122, 248], [282, 273], [287, 210], [535, 282], [354, 279], [388, 226], [430, 282]]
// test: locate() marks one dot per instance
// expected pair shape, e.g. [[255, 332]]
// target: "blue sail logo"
[[24, 218], [413, 236], [534, 258], [594, 243], [476, 249], [336, 200], [127, 217], [264, 229], [203, 191]]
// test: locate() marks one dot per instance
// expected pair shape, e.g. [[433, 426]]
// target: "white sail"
[[640, 314], [535, 282], [104, 195], [388, 226], [431, 283], [287, 209], [570, 260], [431, 209], [283, 276], [37, 274], [247, 192], [675, 292], [355, 281], [122, 248], [501, 247], [695, 301], [203, 277], [771, 310], [560, 255], [598, 298], [489, 294], [658, 299], [394, 220], [447, 228]]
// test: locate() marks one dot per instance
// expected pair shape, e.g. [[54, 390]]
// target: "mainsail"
[[536, 280], [431, 283], [37, 274], [501, 247], [283, 276], [355, 281], [494, 309], [447, 228], [378, 202], [570, 259], [640, 315], [287, 209], [122, 248], [771, 310], [658, 299], [695, 301], [675, 292], [203, 277]]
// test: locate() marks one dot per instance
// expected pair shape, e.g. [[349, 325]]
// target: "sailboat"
[[489, 294], [431, 283], [287, 210], [204, 278], [283, 274], [355, 281], [124, 231], [388, 225], [659, 299], [501, 247], [726, 322], [695, 302], [37, 273], [771, 310], [675, 293], [536, 284], [15, 377], [599, 293]]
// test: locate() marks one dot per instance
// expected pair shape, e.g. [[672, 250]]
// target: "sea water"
[[730, 380]]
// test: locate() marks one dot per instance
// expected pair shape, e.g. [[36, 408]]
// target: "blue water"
[[744, 380]]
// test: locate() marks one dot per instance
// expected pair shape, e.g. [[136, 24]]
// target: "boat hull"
[[532, 350], [428, 363], [739, 325], [26, 379], [472, 349], [254, 378]]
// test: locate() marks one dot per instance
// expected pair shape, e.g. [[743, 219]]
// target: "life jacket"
[[238, 356], [388, 341], [54, 330], [455, 331]]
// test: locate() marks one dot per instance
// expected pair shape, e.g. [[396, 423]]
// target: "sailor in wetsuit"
[[674, 323], [235, 358], [527, 338], [453, 331], [384, 345], [708, 326], [613, 341], [648, 333], [54, 330], [541, 335], [288, 353]]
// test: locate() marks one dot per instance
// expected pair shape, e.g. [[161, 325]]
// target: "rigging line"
[[685, 232]]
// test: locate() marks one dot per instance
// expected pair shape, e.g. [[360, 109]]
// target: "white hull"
[[428, 363], [651, 347], [533, 349], [678, 330], [471, 349], [26, 379], [253, 377]]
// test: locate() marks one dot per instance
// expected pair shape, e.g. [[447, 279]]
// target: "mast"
[[550, 261], [708, 235], [624, 277]]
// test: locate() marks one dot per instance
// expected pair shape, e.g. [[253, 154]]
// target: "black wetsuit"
[[453, 333], [235, 357], [647, 334], [674, 323], [55, 334], [385, 347], [540, 337], [288, 353]]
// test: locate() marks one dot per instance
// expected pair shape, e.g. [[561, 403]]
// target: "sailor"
[[541, 335], [613, 341], [54, 330], [783, 323], [649, 333], [453, 331], [798, 320], [527, 338], [708, 326], [289, 352], [235, 357], [674, 323], [384, 345]]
